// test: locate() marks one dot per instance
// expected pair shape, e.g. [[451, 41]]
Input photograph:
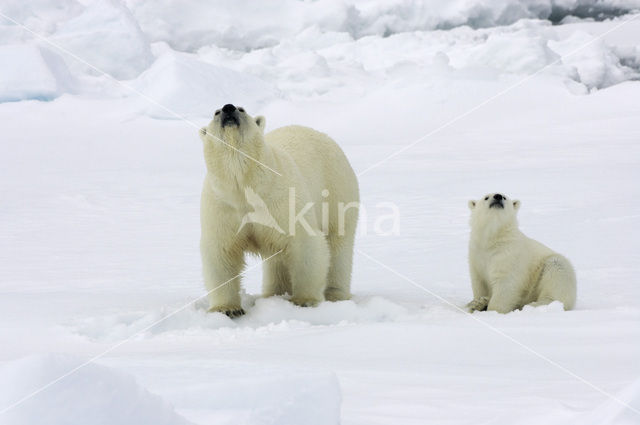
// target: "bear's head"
[[493, 212], [232, 139]]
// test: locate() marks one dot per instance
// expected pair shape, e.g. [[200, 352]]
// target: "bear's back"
[[305, 144], [313, 151]]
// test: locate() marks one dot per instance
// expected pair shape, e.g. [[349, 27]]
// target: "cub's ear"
[[472, 204], [516, 205], [261, 122]]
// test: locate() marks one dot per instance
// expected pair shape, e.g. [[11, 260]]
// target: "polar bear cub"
[[289, 196], [508, 269]]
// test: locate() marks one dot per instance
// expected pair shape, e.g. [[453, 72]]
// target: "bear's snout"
[[228, 108], [497, 201], [229, 115]]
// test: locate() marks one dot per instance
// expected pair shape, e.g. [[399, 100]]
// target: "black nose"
[[228, 108], [498, 197]]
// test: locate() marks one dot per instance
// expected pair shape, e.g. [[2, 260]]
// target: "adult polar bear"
[[289, 196], [508, 269]]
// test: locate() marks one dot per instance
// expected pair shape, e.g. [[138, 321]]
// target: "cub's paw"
[[229, 311], [478, 304], [305, 302], [203, 131]]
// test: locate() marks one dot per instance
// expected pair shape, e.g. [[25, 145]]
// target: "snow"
[[94, 395], [433, 103], [97, 395], [247, 25], [610, 413], [191, 86], [47, 76], [107, 36]]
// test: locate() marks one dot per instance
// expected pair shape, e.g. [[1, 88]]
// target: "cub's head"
[[232, 133], [493, 212]]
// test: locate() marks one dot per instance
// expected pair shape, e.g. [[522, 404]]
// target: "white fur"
[[508, 269], [310, 266]]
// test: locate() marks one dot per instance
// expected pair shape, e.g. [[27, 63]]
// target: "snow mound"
[[595, 65], [93, 395], [187, 86], [32, 73], [311, 400], [612, 412], [262, 313], [258, 393], [108, 37]]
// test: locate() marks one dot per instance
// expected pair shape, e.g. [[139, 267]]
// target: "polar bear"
[[508, 269], [289, 196]]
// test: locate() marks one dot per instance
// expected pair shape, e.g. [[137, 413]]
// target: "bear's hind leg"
[[504, 298], [275, 278], [308, 266], [557, 283], [339, 276]]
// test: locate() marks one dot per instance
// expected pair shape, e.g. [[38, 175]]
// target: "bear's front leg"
[[308, 266], [222, 280]]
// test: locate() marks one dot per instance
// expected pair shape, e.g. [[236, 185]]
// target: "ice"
[[101, 33], [596, 65], [108, 37], [189, 86], [245, 25], [296, 59], [41, 16], [35, 73], [335, 62], [93, 395]]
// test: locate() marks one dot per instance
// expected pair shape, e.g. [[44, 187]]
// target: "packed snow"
[[433, 102], [92, 395]]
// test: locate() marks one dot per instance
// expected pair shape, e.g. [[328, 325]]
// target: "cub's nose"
[[498, 197], [228, 108]]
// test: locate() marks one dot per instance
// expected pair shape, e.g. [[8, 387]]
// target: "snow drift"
[[192, 87], [92, 395]]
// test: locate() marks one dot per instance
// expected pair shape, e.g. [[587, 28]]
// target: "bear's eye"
[[241, 109], [486, 198], [217, 113]]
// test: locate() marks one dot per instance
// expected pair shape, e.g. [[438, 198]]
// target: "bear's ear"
[[472, 204], [261, 122], [516, 205]]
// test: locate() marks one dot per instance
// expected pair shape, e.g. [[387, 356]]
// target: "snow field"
[[100, 188]]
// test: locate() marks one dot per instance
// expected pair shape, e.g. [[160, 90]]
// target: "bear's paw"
[[305, 301], [230, 312], [478, 304]]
